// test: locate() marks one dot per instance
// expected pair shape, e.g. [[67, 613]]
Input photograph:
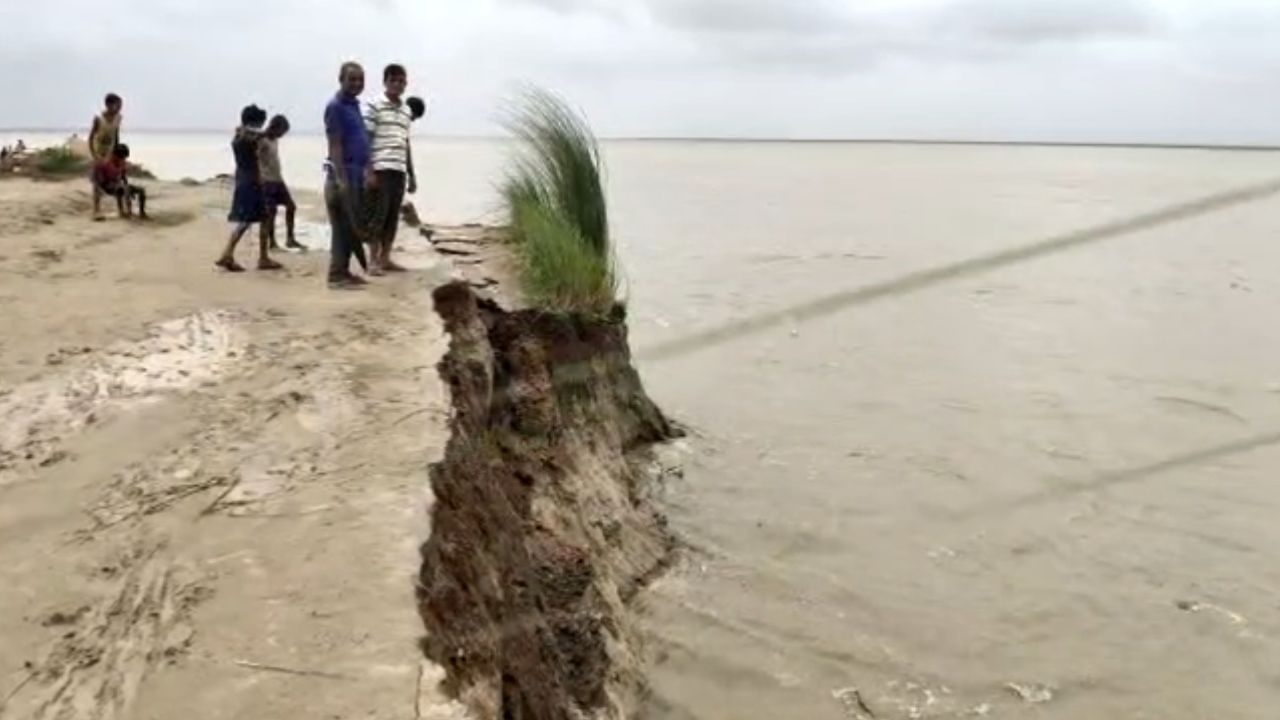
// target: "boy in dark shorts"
[[387, 121], [275, 193], [111, 178]]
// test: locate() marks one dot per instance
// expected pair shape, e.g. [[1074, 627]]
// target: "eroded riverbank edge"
[[546, 523]]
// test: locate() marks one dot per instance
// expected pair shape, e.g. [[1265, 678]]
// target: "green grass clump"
[[60, 162], [556, 208], [138, 172], [559, 270]]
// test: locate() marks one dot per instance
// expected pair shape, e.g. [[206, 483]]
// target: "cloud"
[[1064, 69], [566, 7], [616, 11], [751, 16], [832, 37], [1005, 20], [1035, 21]]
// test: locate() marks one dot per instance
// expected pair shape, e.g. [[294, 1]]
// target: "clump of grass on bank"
[[138, 172], [556, 208], [60, 162]]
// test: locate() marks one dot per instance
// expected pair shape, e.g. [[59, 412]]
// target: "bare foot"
[[269, 264], [376, 271], [229, 264]]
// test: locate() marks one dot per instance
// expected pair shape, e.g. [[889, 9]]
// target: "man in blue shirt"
[[348, 162]]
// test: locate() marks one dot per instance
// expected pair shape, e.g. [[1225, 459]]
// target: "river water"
[[1049, 491], [1015, 495]]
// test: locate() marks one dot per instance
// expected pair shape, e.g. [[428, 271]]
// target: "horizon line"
[[1117, 144]]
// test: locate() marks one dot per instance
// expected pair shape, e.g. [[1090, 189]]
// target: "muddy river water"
[[1046, 492], [1050, 491]]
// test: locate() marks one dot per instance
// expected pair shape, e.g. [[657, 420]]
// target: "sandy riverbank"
[[212, 487]]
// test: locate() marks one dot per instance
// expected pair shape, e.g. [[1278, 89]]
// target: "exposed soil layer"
[[545, 525]]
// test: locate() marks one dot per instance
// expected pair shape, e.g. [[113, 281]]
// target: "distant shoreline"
[[753, 140], [964, 143]]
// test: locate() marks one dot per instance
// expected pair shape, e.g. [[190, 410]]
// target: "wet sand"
[[212, 487]]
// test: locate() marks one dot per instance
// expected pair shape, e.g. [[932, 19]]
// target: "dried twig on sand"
[[4, 702], [412, 415], [855, 708], [417, 693], [213, 506], [290, 671]]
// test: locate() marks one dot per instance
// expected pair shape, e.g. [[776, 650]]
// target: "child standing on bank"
[[417, 107], [104, 136], [275, 192], [388, 120], [248, 207]]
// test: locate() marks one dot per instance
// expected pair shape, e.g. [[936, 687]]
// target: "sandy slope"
[[202, 476]]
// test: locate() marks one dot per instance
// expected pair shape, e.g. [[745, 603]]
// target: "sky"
[[1158, 71]]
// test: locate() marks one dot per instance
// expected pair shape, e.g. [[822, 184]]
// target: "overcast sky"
[[1074, 70]]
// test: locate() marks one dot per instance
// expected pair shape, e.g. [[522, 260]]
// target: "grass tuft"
[[560, 271], [554, 198], [138, 172], [60, 162]]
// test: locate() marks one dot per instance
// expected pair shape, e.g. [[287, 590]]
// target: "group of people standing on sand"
[[18, 149], [260, 189], [368, 171]]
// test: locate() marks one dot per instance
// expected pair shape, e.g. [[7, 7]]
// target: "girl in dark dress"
[[248, 206]]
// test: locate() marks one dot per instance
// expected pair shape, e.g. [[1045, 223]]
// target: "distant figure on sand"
[[104, 136], [348, 162], [408, 213], [388, 121], [111, 178], [248, 206], [275, 192], [417, 108]]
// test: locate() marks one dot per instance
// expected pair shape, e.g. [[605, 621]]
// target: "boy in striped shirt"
[[387, 121]]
